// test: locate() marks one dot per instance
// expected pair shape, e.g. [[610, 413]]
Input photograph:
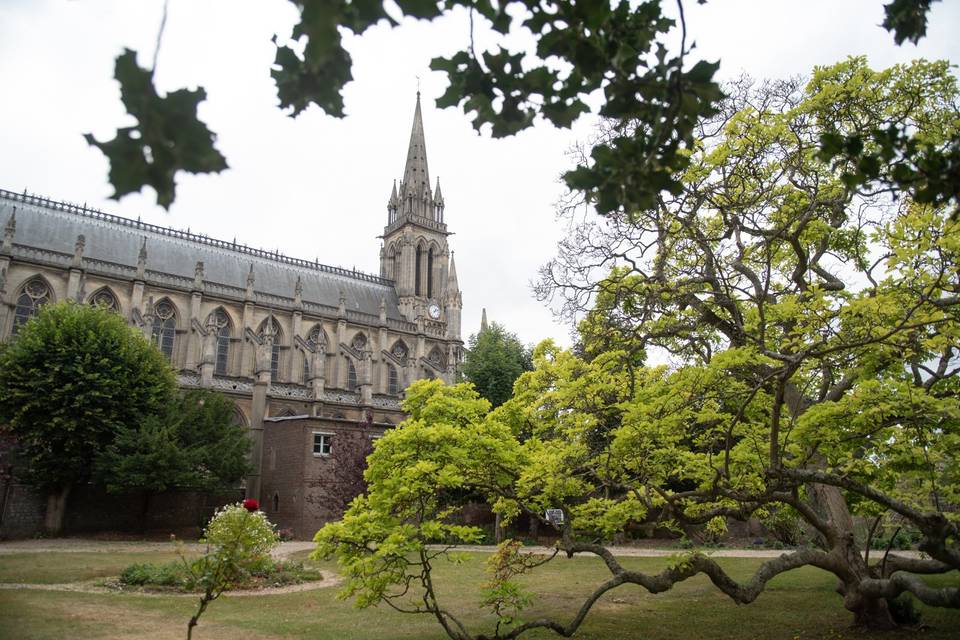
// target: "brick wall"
[[312, 489]]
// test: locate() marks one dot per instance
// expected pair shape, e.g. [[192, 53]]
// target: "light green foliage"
[[418, 477], [501, 593], [494, 360], [73, 378], [193, 444], [813, 331]]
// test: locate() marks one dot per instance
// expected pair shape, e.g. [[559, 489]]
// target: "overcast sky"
[[316, 186]]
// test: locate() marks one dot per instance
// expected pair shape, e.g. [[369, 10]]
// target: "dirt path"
[[66, 545], [80, 545]]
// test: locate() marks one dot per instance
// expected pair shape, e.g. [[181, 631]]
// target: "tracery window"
[[351, 376], [105, 299], [35, 294], [275, 352], [436, 357], [314, 340], [393, 380], [400, 351], [359, 342], [165, 327], [222, 320]]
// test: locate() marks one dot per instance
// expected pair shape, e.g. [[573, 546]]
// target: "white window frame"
[[326, 438]]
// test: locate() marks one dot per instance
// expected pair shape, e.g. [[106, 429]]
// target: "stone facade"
[[280, 336]]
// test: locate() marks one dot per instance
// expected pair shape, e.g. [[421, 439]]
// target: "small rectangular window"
[[321, 444]]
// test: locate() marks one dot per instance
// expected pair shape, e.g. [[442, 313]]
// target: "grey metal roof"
[[45, 224]]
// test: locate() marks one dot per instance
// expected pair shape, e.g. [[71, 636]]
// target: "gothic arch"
[[317, 331], [165, 323], [239, 418], [277, 343], [400, 350], [435, 357], [33, 294], [393, 257], [106, 298], [359, 342], [224, 332], [393, 380], [314, 337], [351, 374]]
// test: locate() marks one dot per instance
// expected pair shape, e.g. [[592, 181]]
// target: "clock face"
[[434, 310]]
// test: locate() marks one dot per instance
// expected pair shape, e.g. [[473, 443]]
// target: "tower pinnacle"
[[416, 176]]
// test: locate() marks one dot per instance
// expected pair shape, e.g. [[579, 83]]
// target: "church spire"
[[416, 176]]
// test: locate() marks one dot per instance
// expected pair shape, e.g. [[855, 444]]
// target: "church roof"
[[112, 244]]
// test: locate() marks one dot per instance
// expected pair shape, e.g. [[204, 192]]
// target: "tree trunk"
[[868, 612], [56, 510], [498, 532]]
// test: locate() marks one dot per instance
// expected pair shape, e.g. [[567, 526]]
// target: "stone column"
[[261, 385], [208, 358]]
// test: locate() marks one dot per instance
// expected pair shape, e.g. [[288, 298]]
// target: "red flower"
[[251, 505]]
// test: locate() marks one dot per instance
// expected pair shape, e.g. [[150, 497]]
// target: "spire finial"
[[483, 320]]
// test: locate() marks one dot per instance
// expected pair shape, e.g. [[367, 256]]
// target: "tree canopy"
[[74, 377], [635, 56], [813, 328], [194, 443], [495, 358], [87, 398]]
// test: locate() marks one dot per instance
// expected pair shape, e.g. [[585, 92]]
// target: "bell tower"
[[415, 254]]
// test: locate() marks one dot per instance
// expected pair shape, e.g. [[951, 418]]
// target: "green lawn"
[[799, 605]]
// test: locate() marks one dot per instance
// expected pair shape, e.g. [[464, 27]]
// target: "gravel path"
[[287, 548]]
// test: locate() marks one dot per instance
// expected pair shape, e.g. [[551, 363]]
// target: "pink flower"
[[251, 505]]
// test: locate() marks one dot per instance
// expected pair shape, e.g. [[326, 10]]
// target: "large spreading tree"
[[813, 326]]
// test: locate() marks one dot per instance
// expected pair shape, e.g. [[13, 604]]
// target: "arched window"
[[222, 320], [359, 342], [400, 351], [105, 299], [436, 357], [165, 327], [430, 273], [315, 340], [275, 352], [419, 260], [238, 418], [351, 376], [393, 380], [35, 294]]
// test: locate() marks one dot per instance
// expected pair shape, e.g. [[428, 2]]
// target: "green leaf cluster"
[[167, 138], [495, 358]]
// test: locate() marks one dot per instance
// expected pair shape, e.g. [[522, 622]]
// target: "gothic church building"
[[310, 354]]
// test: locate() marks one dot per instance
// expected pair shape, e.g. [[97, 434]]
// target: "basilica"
[[310, 354]]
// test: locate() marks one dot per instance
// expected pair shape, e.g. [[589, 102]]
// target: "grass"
[[798, 605]]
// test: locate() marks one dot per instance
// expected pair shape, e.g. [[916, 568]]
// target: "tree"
[[815, 318], [193, 444], [73, 378], [814, 327], [495, 358], [614, 48]]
